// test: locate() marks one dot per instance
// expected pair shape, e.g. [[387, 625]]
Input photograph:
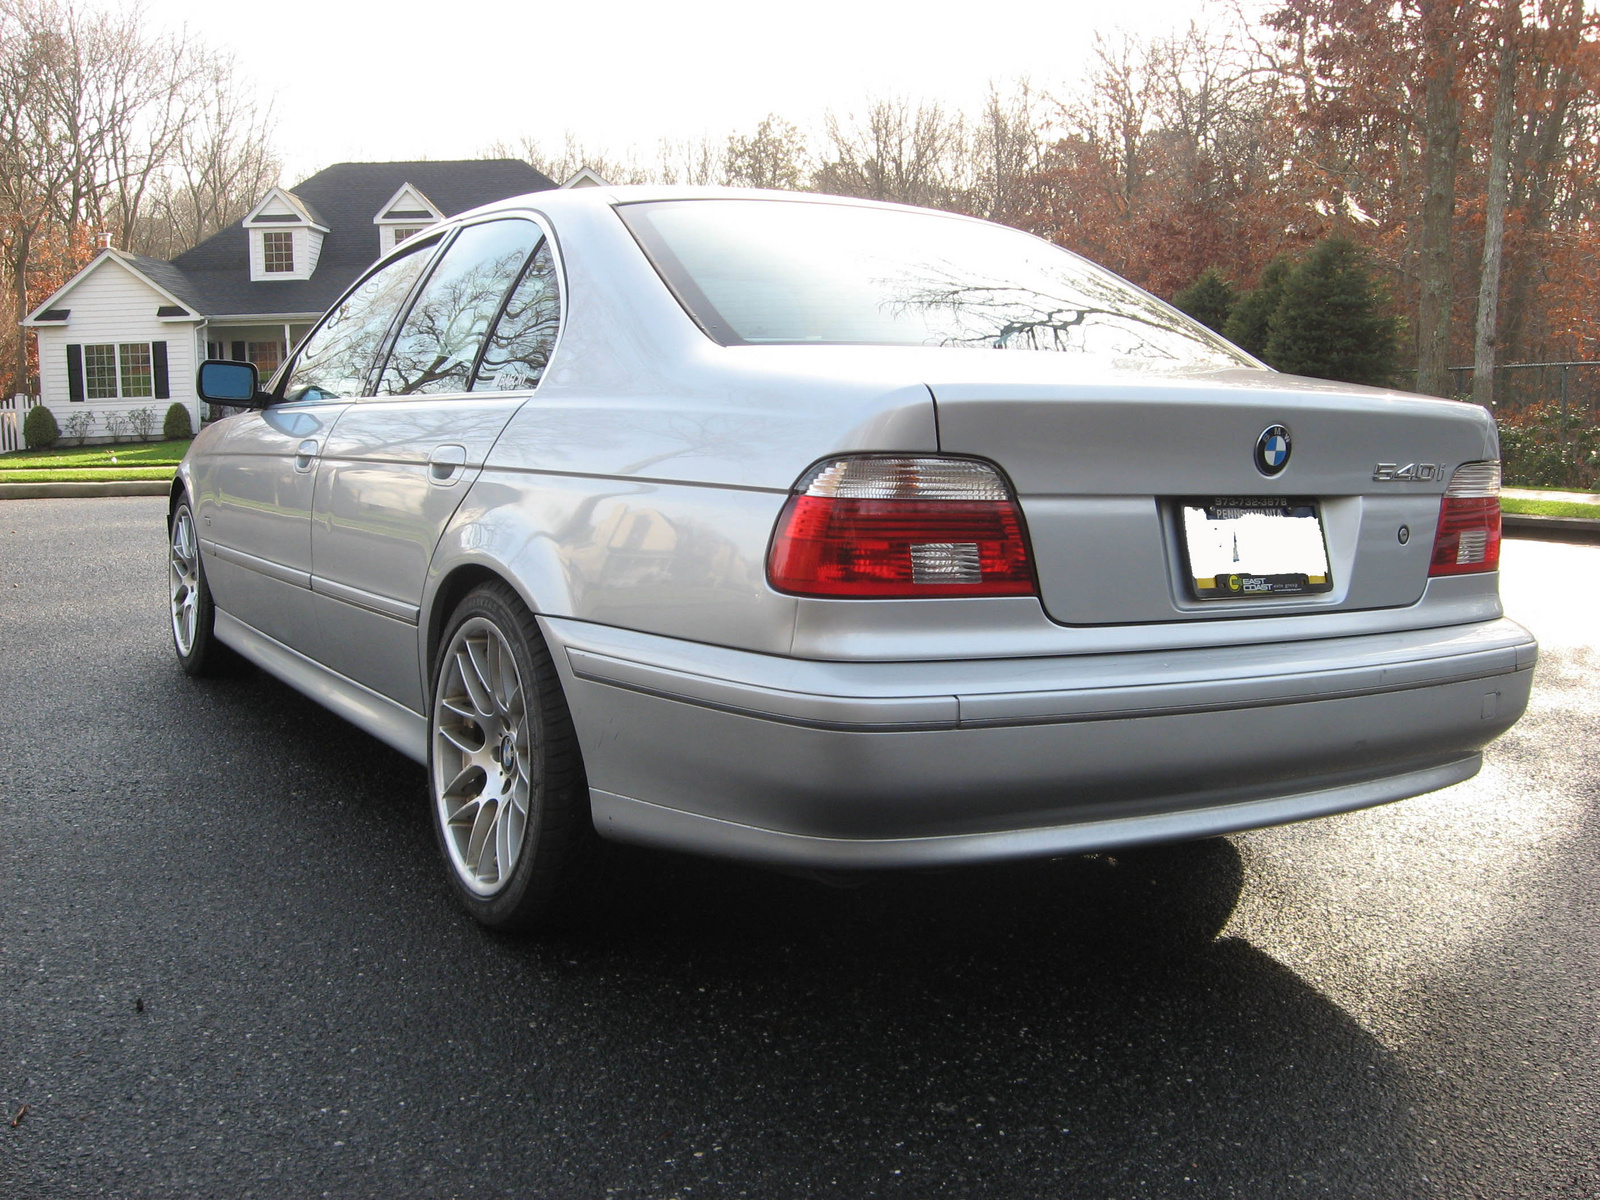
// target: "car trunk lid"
[[1103, 469]]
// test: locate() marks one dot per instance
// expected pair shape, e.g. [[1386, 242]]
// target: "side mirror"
[[234, 384]]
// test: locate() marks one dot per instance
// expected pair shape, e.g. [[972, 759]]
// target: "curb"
[[1550, 529], [90, 487]]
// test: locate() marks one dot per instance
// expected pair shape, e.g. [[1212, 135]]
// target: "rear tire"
[[509, 798], [192, 615]]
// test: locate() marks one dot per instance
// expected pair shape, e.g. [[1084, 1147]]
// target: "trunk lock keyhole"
[[1405, 534]]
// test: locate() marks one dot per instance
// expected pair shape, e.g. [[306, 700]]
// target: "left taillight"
[[1468, 539], [899, 527]]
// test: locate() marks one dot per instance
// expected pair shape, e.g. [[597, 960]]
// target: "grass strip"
[[88, 475], [123, 454], [1549, 508]]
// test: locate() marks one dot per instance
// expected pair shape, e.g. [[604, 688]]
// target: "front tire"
[[510, 801], [191, 610]]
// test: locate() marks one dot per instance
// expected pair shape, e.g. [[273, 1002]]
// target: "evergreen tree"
[[1330, 322], [1208, 299], [1247, 323]]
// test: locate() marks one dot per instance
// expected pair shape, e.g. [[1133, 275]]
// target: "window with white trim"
[[138, 379], [118, 370], [277, 248], [100, 372], [402, 232]]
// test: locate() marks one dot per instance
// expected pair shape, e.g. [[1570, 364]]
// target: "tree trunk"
[[1441, 145], [21, 251], [1494, 220]]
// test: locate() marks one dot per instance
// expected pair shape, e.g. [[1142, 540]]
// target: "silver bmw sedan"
[[831, 535]]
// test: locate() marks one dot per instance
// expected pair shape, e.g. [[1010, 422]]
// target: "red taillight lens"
[[900, 527], [1468, 539]]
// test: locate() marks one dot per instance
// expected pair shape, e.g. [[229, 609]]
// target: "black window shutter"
[[238, 352], [158, 368], [75, 372]]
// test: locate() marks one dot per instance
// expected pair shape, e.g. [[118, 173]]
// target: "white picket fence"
[[13, 411]]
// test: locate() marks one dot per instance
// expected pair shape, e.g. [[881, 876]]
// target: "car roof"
[[560, 200]]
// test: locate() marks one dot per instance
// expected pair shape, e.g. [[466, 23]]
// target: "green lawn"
[[1550, 508], [112, 455], [115, 474]]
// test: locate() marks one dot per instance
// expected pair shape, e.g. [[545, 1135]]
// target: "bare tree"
[[225, 161], [774, 156], [573, 155], [896, 152], [1007, 149]]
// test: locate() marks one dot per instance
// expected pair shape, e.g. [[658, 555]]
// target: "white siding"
[[277, 206], [112, 304], [386, 233]]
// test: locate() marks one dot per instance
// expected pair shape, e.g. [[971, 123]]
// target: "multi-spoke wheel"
[[510, 803], [191, 610]]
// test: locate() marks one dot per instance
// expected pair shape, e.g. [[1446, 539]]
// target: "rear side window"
[[441, 336], [519, 348], [338, 357]]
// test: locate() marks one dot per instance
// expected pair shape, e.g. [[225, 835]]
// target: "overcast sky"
[[444, 80]]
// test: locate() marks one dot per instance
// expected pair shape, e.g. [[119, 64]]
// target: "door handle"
[[445, 463], [305, 455]]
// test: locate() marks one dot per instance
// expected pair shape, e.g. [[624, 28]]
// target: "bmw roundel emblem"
[[1272, 450]]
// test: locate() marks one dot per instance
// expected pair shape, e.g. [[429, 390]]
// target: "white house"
[[128, 332]]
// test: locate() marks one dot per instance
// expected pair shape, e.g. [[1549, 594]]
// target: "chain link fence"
[[1549, 418]]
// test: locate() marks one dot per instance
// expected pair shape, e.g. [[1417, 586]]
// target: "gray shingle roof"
[[215, 275]]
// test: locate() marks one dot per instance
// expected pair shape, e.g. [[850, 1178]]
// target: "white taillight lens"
[[901, 527], [1468, 539]]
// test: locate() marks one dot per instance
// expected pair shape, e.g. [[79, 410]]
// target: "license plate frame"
[[1279, 547]]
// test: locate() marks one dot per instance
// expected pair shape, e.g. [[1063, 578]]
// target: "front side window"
[[440, 338], [519, 347], [278, 248], [100, 372], [774, 271], [337, 358], [137, 379]]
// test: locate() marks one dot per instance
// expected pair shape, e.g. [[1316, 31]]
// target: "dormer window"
[[278, 251], [285, 237], [406, 213]]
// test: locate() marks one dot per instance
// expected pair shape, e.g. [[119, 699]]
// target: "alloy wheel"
[[482, 751], [183, 579]]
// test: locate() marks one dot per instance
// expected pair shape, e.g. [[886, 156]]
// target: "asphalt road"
[[229, 966]]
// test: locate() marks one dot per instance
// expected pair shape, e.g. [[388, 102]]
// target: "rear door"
[[398, 463]]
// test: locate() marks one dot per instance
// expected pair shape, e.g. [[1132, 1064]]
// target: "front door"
[[255, 519], [399, 464]]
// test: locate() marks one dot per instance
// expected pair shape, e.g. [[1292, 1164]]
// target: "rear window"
[[761, 272]]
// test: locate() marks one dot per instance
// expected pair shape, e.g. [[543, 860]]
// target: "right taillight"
[[884, 526], [1469, 521]]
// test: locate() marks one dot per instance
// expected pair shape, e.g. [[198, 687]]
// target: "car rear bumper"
[[863, 764]]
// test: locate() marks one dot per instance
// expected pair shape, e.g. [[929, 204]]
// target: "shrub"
[[177, 425], [143, 423], [1539, 449], [116, 425], [79, 424], [39, 427], [1331, 322], [1208, 299]]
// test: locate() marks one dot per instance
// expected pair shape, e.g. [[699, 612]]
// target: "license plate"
[[1243, 548]]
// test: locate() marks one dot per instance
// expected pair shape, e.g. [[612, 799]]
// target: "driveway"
[[229, 966]]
